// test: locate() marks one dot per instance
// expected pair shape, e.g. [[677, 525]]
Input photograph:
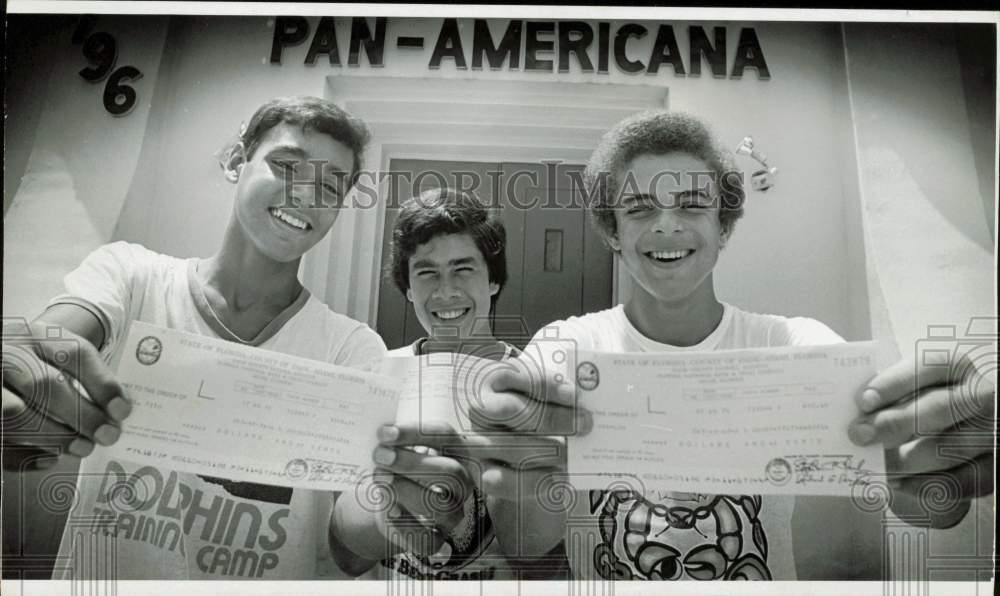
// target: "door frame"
[[469, 153], [343, 270]]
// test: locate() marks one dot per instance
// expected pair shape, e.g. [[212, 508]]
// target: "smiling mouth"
[[668, 256], [451, 314], [289, 220]]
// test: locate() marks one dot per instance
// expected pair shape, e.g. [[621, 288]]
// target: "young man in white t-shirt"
[[292, 166], [666, 198], [448, 257]]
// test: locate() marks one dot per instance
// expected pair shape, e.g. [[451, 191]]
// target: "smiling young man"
[[291, 167], [666, 198], [448, 258]]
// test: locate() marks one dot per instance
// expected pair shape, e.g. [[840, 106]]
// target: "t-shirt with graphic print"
[[674, 535], [149, 522]]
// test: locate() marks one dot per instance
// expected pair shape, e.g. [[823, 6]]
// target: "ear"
[[494, 288], [724, 237], [613, 242], [409, 295], [234, 162]]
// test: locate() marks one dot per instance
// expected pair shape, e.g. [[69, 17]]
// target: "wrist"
[[352, 544]]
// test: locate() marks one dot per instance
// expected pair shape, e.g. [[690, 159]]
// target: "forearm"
[[530, 537], [76, 319], [912, 509], [355, 540]]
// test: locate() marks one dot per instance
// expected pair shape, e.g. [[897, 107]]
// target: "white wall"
[[930, 251], [81, 163]]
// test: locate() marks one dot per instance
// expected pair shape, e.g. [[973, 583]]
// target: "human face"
[[450, 285], [669, 234], [284, 220]]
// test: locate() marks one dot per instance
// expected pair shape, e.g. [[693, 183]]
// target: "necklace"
[[223, 325], [215, 315]]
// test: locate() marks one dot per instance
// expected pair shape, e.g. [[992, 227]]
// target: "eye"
[[285, 166], [638, 207]]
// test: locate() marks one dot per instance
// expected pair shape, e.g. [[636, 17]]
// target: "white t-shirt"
[[184, 526], [623, 535]]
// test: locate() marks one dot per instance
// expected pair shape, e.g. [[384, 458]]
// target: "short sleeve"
[[803, 331], [363, 349], [103, 284]]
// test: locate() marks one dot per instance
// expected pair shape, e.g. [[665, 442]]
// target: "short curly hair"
[[312, 113], [440, 211], [658, 132]]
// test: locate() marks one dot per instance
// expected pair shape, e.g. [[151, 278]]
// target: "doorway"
[[557, 266]]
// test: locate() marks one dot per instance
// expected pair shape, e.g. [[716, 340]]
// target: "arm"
[[531, 538], [523, 467], [355, 540], [426, 493], [39, 361]]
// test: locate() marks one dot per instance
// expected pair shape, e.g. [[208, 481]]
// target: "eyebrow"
[[300, 153], [638, 198], [694, 192], [427, 263], [673, 197], [292, 149]]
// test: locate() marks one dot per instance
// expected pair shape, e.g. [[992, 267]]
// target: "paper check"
[[762, 421], [207, 406], [437, 387]]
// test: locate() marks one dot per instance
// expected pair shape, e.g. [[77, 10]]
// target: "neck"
[[245, 278], [683, 322]]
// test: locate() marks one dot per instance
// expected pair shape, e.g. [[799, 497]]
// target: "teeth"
[[669, 255], [289, 219], [450, 314]]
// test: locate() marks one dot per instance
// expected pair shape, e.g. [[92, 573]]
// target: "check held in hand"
[[212, 407], [760, 421]]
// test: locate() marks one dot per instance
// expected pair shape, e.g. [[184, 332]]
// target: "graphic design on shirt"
[[240, 538], [679, 536], [463, 545]]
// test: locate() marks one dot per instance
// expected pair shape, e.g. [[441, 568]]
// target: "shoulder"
[[349, 342], [131, 253], [768, 330], [128, 260], [407, 350], [589, 327]]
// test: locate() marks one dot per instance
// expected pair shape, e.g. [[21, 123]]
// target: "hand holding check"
[[936, 419]]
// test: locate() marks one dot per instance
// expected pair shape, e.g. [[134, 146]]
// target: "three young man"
[[669, 230]]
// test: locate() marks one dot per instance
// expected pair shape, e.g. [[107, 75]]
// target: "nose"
[[305, 193], [667, 221], [446, 289]]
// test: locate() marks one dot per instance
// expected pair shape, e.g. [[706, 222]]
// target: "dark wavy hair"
[[658, 132], [311, 113], [440, 211]]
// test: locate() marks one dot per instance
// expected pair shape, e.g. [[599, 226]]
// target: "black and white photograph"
[[498, 299]]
